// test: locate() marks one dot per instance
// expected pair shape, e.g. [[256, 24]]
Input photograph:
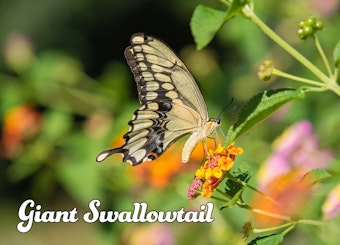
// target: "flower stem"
[[248, 12], [330, 82], [274, 227], [311, 222], [296, 78], [219, 199], [269, 214], [334, 86], [322, 54], [224, 194], [285, 232], [253, 188]]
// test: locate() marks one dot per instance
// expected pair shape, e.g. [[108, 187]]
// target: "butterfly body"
[[171, 104]]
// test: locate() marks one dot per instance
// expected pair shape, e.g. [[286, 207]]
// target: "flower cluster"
[[21, 123], [309, 27], [212, 172], [265, 70], [281, 177], [297, 148]]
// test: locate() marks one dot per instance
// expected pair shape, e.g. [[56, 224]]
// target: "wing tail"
[[105, 154]]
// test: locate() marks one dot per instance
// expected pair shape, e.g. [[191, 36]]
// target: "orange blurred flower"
[[211, 173], [160, 172], [290, 194], [20, 123], [296, 152]]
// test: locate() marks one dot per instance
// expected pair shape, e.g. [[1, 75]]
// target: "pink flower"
[[158, 234], [297, 147], [195, 188], [325, 8], [331, 206]]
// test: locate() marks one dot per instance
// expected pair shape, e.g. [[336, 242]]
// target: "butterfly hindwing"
[[149, 136]]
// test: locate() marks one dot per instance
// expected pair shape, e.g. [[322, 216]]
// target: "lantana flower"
[[20, 123], [296, 148], [290, 193], [212, 172], [296, 152]]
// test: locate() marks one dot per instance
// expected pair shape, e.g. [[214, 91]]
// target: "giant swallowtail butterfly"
[[171, 104]]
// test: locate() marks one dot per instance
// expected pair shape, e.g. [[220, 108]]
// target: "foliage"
[[262, 106]]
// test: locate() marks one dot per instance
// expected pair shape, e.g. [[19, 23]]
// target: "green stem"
[[296, 78], [311, 222], [322, 54], [255, 210], [334, 86], [248, 12], [274, 227], [310, 89], [253, 188], [291, 225], [218, 199], [336, 74], [269, 214], [224, 194], [329, 81], [226, 2], [285, 232]]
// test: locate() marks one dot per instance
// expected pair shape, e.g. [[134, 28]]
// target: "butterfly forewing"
[[156, 59], [171, 103]]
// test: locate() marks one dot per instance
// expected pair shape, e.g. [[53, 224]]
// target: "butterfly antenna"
[[224, 110]]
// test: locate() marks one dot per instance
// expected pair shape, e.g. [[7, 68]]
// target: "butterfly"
[[171, 104]]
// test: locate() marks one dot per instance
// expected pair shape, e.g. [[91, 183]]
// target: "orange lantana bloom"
[[211, 173]]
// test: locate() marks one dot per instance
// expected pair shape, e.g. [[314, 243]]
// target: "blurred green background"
[[67, 93]]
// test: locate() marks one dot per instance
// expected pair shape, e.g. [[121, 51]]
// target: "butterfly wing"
[[171, 103], [158, 71]]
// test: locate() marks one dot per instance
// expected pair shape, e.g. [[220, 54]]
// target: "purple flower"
[[297, 147]]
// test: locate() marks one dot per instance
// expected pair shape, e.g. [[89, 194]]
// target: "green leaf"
[[235, 189], [235, 8], [233, 200], [205, 23], [259, 108], [336, 54], [273, 239], [243, 173], [315, 176]]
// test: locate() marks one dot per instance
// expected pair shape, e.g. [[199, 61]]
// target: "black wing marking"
[[148, 136]]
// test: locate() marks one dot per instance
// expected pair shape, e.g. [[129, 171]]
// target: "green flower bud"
[[308, 30], [301, 34], [318, 25], [302, 24], [265, 70], [311, 21]]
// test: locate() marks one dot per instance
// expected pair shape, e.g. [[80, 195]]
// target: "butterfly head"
[[210, 126]]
